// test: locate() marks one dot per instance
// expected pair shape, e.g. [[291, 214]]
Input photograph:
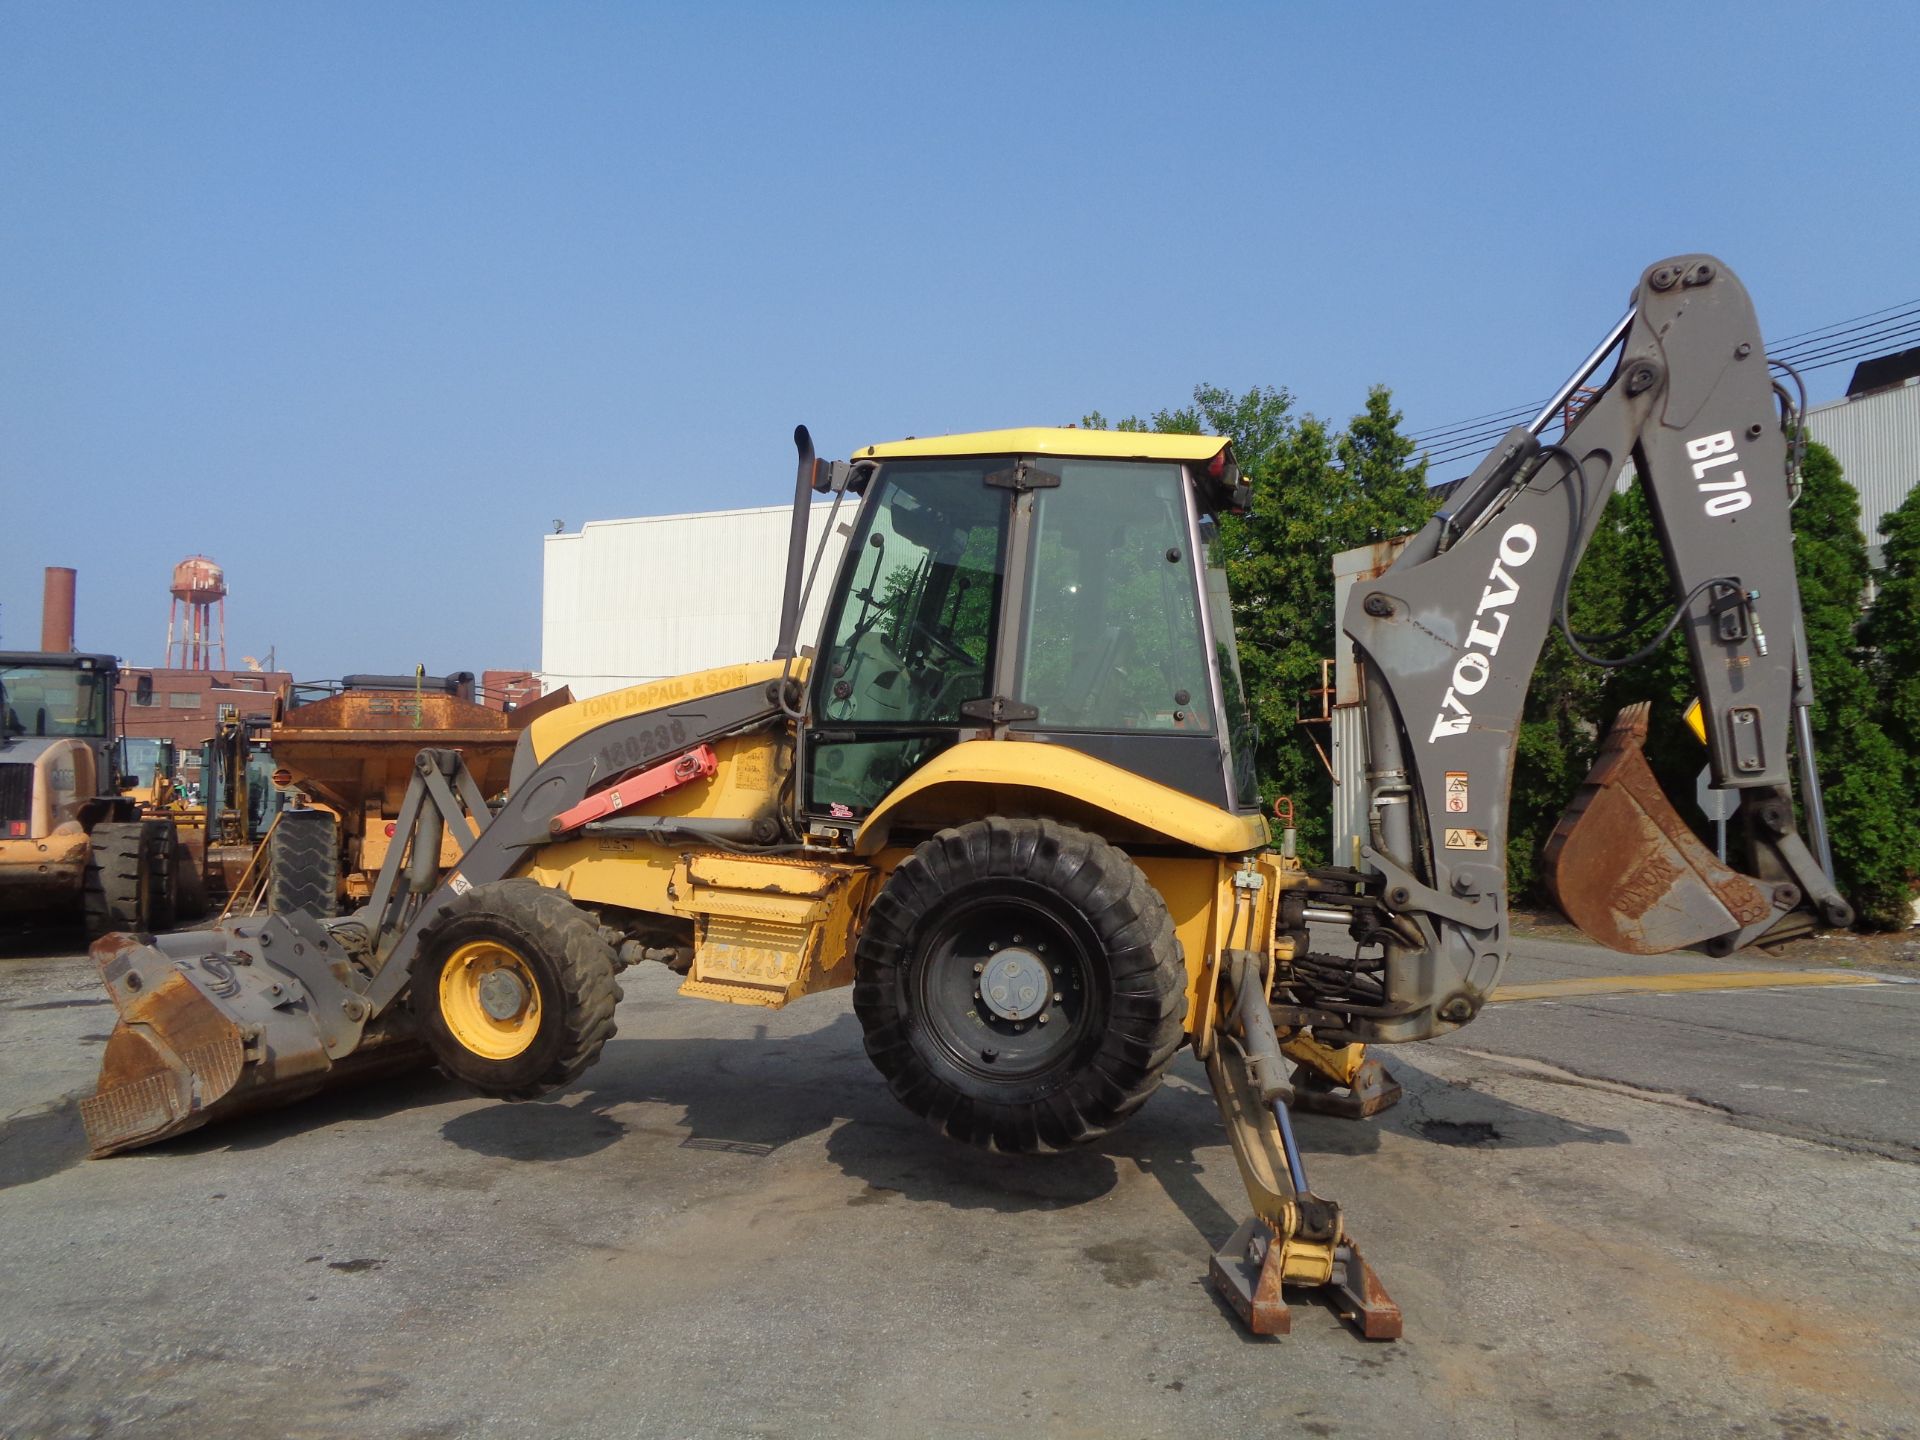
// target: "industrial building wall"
[[1876, 438], [624, 601]]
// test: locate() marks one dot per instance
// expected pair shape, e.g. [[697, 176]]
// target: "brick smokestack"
[[56, 610]]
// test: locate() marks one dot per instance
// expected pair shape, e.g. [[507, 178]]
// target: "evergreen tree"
[[1892, 633], [1566, 711], [1876, 842]]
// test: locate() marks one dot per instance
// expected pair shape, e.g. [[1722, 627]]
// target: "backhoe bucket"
[[210, 1028], [1627, 870]]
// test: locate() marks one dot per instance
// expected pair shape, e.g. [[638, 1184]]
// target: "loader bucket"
[[209, 1030], [1627, 870]]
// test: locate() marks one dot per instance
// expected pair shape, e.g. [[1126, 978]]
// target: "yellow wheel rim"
[[489, 1000]]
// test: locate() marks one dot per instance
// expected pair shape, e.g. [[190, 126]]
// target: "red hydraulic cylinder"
[[628, 791]]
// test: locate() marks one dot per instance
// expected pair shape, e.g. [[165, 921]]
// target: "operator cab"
[[46, 694], [1052, 586]]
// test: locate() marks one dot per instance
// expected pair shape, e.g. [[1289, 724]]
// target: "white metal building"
[[1876, 438], [624, 601]]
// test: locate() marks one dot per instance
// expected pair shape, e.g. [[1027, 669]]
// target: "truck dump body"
[[354, 753]]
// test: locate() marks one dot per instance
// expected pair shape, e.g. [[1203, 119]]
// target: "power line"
[[1873, 340], [1789, 339], [1820, 348]]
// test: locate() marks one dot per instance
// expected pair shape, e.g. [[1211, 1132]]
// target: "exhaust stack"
[[56, 610], [787, 644]]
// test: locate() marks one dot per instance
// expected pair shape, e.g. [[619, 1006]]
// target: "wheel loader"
[[1007, 794], [74, 843]]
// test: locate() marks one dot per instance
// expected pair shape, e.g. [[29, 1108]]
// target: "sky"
[[363, 299]]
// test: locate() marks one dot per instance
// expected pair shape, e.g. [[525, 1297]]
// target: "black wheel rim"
[[1007, 1041]]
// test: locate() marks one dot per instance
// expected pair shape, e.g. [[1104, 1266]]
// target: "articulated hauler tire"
[[1020, 985], [129, 877], [513, 989], [303, 864]]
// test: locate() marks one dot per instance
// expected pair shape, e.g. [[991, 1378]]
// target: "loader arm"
[[1450, 636]]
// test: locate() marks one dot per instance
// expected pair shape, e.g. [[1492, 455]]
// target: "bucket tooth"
[[1628, 871]]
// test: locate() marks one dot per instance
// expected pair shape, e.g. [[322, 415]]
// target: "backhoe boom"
[[1450, 636]]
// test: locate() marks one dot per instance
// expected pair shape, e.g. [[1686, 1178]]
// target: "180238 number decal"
[[642, 744]]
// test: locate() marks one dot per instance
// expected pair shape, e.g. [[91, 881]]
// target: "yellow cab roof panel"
[[1052, 440]]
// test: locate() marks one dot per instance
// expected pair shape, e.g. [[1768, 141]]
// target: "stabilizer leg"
[[1295, 1236], [1341, 1082]]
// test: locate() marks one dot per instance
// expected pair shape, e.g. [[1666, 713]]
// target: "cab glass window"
[[912, 634], [1112, 639], [1243, 737], [49, 700]]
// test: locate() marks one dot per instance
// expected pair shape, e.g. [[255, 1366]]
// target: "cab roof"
[[1055, 440], [58, 660]]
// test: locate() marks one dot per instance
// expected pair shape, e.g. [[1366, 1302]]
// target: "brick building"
[[184, 705], [507, 689]]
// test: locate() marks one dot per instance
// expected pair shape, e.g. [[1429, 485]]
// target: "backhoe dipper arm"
[[1451, 633]]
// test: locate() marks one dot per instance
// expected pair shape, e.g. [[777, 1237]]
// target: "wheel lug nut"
[[1058, 997], [978, 968], [1044, 1017], [992, 945]]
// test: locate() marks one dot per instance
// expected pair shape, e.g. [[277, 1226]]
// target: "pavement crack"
[[1560, 1075]]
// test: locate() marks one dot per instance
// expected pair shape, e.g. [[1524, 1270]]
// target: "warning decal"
[[1465, 839], [1456, 792]]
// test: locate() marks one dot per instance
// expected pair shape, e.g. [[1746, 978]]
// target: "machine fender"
[[980, 777]]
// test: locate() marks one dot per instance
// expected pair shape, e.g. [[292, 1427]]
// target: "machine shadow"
[[754, 1095], [353, 1100], [1441, 1112], [22, 940]]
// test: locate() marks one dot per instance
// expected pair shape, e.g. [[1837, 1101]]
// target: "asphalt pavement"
[[1686, 1213]]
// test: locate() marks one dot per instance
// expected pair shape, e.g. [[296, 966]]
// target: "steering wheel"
[[936, 641]]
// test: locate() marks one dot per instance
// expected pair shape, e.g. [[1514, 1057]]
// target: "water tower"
[[193, 634]]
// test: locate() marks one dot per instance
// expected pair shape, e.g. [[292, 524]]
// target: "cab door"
[[912, 635]]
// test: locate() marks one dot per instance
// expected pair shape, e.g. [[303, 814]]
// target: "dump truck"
[[74, 845], [348, 747], [1008, 796]]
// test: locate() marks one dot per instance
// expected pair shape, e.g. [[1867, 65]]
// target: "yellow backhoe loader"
[[1008, 796]]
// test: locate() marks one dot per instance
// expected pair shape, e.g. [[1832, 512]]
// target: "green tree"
[[1316, 491], [1562, 724], [1863, 774], [1892, 633], [1876, 842]]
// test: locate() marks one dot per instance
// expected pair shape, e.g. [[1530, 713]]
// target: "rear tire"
[[118, 890], [1027, 903], [513, 989], [189, 883], [160, 843], [303, 864]]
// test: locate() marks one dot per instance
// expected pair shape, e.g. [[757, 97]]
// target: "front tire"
[[123, 888], [513, 989], [303, 864], [1020, 985]]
